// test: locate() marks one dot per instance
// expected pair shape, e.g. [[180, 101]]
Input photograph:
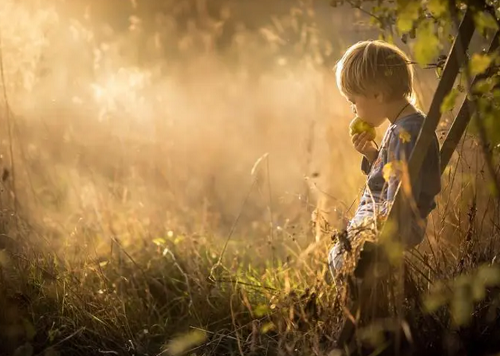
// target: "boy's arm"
[[367, 148], [366, 165]]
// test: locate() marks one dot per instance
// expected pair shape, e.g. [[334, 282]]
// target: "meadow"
[[161, 164]]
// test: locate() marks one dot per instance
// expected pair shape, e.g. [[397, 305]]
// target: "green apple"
[[358, 126]]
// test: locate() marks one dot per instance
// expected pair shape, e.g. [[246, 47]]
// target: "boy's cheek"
[[362, 114]]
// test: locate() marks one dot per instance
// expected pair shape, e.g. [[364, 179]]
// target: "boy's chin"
[[378, 123], [374, 123]]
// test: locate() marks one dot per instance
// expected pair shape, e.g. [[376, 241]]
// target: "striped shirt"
[[397, 145]]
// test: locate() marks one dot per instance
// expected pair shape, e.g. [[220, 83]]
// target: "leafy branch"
[[473, 104], [427, 23]]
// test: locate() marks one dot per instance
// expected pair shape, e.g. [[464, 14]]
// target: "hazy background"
[[136, 118]]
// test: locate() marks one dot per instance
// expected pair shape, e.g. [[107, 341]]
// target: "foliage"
[[465, 291], [424, 24]]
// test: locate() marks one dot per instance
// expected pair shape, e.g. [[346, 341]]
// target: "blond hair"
[[368, 67]]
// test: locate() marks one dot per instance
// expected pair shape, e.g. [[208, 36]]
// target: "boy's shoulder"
[[411, 123]]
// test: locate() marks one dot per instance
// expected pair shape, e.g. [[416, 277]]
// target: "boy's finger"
[[365, 136], [360, 145], [362, 138]]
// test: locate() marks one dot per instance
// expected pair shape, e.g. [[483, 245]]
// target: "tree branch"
[[472, 101], [366, 12]]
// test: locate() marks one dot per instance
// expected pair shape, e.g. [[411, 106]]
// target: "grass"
[[144, 226], [142, 301], [138, 301]]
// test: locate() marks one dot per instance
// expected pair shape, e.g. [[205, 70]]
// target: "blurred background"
[[145, 118], [161, 162]]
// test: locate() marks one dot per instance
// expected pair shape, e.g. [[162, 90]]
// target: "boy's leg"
[[372, 260], [364, 253], [335, 259], [361, 283], [336, 255]]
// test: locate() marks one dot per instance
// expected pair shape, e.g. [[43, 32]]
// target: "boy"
[[377, 79]]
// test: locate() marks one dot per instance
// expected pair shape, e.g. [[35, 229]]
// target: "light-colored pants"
[[336, 253]]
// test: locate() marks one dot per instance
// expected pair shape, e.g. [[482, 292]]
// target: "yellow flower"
[[404, 136], [391, 169]]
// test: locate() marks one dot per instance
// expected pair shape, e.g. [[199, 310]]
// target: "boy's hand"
[[364, 146]]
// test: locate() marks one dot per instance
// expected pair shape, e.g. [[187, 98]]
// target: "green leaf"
[[439, 72], [492, 188], [407, 13], [484, 86], [489, 275], [159, 241], [478, 290], [491, 121], [374, 334], [479, 63], [483, 106], [485, 21], [462, 305], [389, 38], [437, 297], [427, 44], [434, 302], [261, 310], [179, 239], [394, 251], [437, 7], [449, 101], [186, 341], [267, 327]]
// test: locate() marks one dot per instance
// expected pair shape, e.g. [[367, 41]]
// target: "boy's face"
[[370, 108]]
